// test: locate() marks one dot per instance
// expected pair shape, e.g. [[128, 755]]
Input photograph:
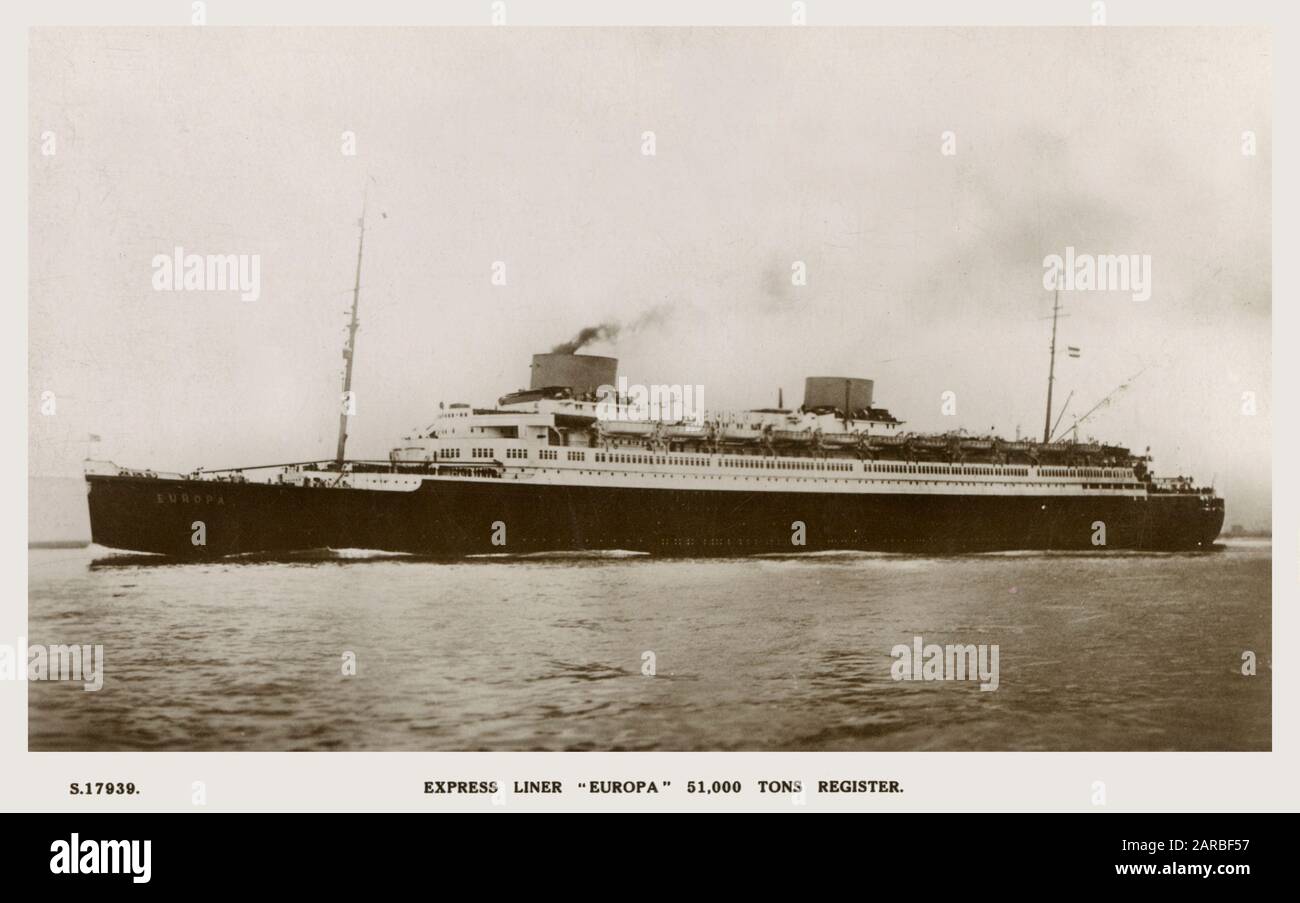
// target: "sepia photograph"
[[611, 389]]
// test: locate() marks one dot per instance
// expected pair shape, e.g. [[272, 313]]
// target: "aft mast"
[[350, 348], [1051, 370]]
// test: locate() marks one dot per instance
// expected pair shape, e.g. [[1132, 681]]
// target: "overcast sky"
[[924, 271]]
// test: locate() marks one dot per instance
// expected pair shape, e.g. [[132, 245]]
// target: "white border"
[[393, 781]]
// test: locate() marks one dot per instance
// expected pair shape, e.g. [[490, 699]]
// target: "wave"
[[577, 555], [113, 558], [846, 554]]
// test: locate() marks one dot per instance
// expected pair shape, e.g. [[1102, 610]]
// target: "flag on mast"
[[1073, 351]]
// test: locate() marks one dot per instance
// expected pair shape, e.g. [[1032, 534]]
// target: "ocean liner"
[[571, 464]]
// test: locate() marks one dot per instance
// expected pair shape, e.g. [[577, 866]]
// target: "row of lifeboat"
[[949, 446]]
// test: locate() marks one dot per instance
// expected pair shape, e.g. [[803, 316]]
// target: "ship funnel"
[[582, 374], [834, 391]]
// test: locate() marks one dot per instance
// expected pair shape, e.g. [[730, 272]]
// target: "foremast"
[[346, 404]]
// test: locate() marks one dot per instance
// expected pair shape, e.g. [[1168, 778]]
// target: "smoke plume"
[[587, 335], [610, 330]]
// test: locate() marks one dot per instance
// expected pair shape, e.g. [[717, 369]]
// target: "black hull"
[[452, 518]]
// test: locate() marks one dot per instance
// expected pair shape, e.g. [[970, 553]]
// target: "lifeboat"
[[410, 454], [792, 437], [888, 441], [841, 440], [740, 434], [686, 432], [624, 428]]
